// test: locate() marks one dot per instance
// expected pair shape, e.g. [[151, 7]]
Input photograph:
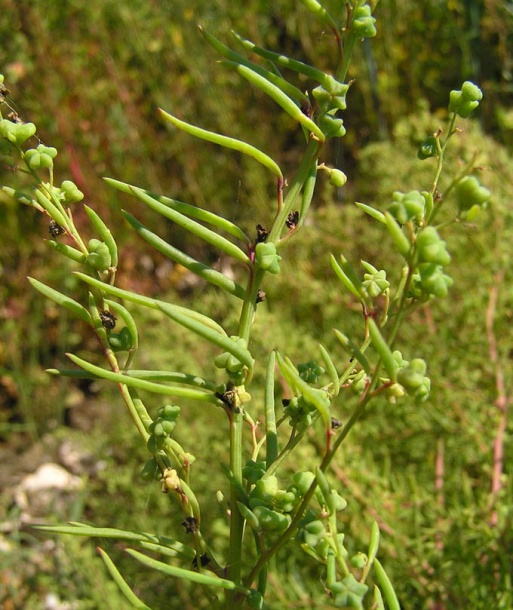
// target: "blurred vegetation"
[[91, 75]]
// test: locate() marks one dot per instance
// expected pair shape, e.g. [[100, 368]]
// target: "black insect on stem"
[[55, 229], [108, 319], [261, 234], [191, 525], [292, 220]]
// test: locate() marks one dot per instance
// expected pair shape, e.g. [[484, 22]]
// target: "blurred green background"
[[91, 76]]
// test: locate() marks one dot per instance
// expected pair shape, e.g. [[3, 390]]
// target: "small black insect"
[[204, 561], [292, 220], [335, 423], [55, 229], [261, 234], [191, 525], [260, 296], [108, 319]]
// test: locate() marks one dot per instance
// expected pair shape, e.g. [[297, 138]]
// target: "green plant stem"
[[236, 519], [312, 152]]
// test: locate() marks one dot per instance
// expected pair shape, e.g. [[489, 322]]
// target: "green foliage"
[[369, 371]]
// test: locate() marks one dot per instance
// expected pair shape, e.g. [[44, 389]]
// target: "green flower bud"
[[332, 127], [285, 501], [310, 371], [17, 133], [412, 376], [359, 560], [303, 481], [466, 100], [428, 148], [337, 177], [470, 193], [264, 491], [40, 157], [375, 282], [364, 22], [271, 520], [253, 471], [99, 255], [433, 280], [71, 192], [407, 206], [171, 412], [431, 249], [267, 258], [313, 532]]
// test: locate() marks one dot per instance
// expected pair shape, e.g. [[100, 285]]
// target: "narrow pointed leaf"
[[53, 211], [400, 239], [353, 350], [386, 586], [276, 79], [344, 278], [123, 586], [225, 141], [147, 302], [384, 351], [222, 341], [197, 577], [76, 528], [171, 376], [70, 252], [376, 214], [319, 11], [142, 384], [270, 413], [330, 369], [61, 299], [308, 193], [200, 269], [282, 60], [207, 235], [186, 209], [282, 99]]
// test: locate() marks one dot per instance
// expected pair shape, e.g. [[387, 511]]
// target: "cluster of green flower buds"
[[162, 428], [375, 281], [235, 369], [330, 97], [471, 197], [432, 257], [267, 258], [41, 157], [408, 206], [412, 377], [299, 411], [16, 133], [465, 100], [70, 193], [310, 371], [363, 23], [269, 506], [99, 256], [313, 534]]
